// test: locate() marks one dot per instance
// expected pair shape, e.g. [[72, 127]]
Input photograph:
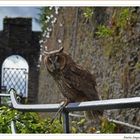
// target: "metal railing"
[[122, 103]]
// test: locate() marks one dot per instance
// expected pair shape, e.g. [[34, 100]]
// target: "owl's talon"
[[62, 106], [60, 120]]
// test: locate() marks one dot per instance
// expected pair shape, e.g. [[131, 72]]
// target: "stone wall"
[[17, 38], [114, 59]]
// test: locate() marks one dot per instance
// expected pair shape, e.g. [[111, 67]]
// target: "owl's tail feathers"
[[94, 115], [94, 119]]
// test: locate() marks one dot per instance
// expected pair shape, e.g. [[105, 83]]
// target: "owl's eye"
[[49, 64], [62, 61], [58, 58]]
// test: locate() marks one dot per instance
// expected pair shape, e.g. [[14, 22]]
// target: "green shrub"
[[88, 12], [123, 17], [104, 31], [107, 127], [27, 122]]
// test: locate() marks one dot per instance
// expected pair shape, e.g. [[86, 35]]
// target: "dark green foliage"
[[124, 17], [114, 34], [78, 126], [88, 12], [104, 31], [107, 127], [5, 121], [27, 122], [137, 66]]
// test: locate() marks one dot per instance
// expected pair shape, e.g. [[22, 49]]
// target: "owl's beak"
[[54, 66]]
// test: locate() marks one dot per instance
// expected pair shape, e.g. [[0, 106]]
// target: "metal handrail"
[[102, 104], [133, 102], [4, 95]]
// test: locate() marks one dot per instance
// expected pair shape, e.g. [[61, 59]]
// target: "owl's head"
[[55, 61]]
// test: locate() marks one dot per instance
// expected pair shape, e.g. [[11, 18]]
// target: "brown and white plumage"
[[75, 83]]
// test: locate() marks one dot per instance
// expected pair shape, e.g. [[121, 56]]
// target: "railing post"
[[66, 121], [13, 129]]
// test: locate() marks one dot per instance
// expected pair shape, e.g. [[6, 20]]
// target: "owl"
[[75, 83]]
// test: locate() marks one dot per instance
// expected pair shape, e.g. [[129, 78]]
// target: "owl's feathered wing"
[[82, 81], [83, 87]]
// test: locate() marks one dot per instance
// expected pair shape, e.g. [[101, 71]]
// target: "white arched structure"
[[15, 74]]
